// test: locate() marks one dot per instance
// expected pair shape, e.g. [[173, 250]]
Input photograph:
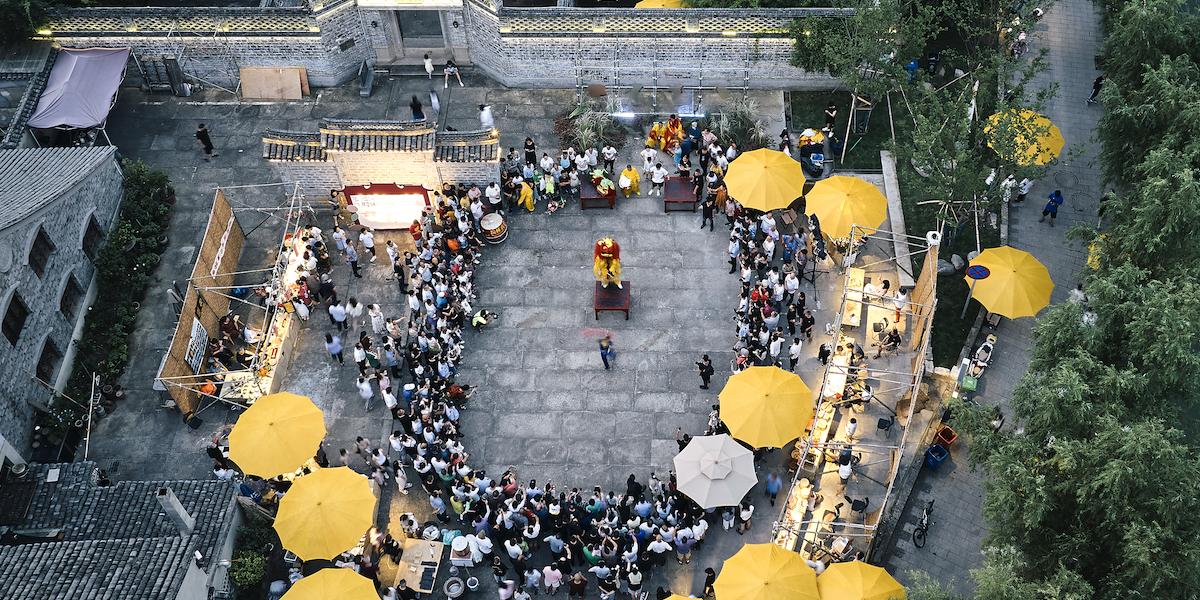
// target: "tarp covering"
[[81, 88]]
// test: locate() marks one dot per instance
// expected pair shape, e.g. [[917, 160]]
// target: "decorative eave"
[[292, 146], [468, 146]]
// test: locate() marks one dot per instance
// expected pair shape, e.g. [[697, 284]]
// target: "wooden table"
[[416, 566], [590, 198], [611, 298], [852, 314], [679, 194]]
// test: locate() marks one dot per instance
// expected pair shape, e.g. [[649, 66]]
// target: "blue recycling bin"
[[935, 456]]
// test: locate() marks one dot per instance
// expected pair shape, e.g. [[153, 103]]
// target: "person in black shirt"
[[708, 209], [205, 142]]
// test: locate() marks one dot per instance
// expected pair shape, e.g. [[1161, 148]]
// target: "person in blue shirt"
[[774, 484], [1055, 200]]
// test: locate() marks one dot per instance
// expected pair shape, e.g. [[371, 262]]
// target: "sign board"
[[197, 344]]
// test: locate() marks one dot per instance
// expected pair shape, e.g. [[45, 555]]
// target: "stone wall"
[[481, 173], [519, 47], [65, 220], [524, 47], [316, 179], [212, 43]]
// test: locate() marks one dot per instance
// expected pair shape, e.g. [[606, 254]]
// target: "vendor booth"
[[236, 330], [386, 205]]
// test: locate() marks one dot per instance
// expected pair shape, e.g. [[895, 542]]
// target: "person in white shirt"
[[648, 156], [610, 158], [593, 157], [486, 119], [547, 163], [745, 512], [428, 65], [581, 163], [492, 192], [794, 354], [658, 179], [367, 238], [731, 152]]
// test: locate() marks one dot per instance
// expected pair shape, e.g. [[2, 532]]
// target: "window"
[[47, 367], [14, 319], [93, 238], [39, 254], [71, 296]]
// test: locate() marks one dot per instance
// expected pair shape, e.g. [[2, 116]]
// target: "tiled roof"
[[468, 146], [31, 178], [29, 102], [292, 146], [377, 136], [116, 541]]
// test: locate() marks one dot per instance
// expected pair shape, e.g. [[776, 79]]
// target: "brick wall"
[[212, 43], [481, 173], [546, 46], [64, 221], [517, 46], [315, 178]]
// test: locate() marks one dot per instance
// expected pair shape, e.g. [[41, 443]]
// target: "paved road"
[[1071, 32]]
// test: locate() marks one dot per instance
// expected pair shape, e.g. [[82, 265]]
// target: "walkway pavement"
[[1071, 32]]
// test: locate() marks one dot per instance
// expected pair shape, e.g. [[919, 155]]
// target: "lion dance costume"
[[607, 262]]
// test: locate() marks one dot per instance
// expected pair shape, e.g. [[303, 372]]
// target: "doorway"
[[420, 31]]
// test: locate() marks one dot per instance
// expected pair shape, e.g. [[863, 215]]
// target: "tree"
[[859, 48], [1007, 575]]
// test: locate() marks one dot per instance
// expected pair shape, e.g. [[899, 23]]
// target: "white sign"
[[388, 211], [216, 264], [196, 347]]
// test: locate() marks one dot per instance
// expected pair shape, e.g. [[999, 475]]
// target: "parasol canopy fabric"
[[766, 406], [325, 513], [841, 202], [1013, 283], [715, 470], [765, 180], [276, 435], [767, 572]]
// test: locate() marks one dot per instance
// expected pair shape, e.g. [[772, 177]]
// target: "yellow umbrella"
[[276, 435], [765, 180], [659, 4], [1035, 139], [325, 513], [1009, 282], [857, 580], [766, 572], [842, 201], [342, 584], [766, 406]]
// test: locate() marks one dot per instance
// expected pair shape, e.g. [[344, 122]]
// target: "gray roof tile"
[[31, 178]]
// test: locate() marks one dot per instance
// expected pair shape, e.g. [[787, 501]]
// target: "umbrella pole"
[[970, 294]]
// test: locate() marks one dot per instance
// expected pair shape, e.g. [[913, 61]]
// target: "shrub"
[[589, 126], [247, 569]]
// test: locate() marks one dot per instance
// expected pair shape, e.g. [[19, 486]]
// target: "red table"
[[611, 298], [590, 198], [679, 194]]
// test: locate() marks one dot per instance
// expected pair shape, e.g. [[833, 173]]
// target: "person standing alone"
[[205, 142], [1054, 200], [607, 352], [705, 366], [1096, 86]]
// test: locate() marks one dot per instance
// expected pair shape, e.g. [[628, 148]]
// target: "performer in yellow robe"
[[526, 197], [630, 181], [607, 263], [672, 134], [654, 139]]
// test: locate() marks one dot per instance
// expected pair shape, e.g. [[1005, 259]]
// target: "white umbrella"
[[715, 470]]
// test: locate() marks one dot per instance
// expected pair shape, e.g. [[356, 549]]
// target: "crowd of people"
[[535, 536]]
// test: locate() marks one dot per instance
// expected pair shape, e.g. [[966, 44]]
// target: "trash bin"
[[946, 436], [935, 456]]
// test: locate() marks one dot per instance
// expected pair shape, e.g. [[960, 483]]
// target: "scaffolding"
[[839, 467]]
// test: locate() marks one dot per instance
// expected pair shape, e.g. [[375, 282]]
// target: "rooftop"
[[77, 539], [32, 178]]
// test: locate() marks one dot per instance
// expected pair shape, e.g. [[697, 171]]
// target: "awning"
[[81, 88]]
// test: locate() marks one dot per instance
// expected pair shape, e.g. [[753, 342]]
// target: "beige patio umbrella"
[[715, 470]]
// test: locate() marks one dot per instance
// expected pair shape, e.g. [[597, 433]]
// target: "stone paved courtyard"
[[547, 405]]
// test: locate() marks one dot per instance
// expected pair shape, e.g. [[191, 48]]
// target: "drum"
[[494, 228]]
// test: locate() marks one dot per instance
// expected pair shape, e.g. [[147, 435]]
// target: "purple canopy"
[[81, 88]]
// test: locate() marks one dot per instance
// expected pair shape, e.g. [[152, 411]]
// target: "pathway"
[[1071, 32]]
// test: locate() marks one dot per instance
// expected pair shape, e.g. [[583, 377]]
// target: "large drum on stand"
[[494, 228]]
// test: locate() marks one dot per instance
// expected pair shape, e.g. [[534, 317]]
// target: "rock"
[[945, 268], [958, 262]]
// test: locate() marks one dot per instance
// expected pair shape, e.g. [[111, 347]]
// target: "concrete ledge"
[[891, 187]]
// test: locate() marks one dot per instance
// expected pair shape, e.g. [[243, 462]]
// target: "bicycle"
[[922, 526]]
